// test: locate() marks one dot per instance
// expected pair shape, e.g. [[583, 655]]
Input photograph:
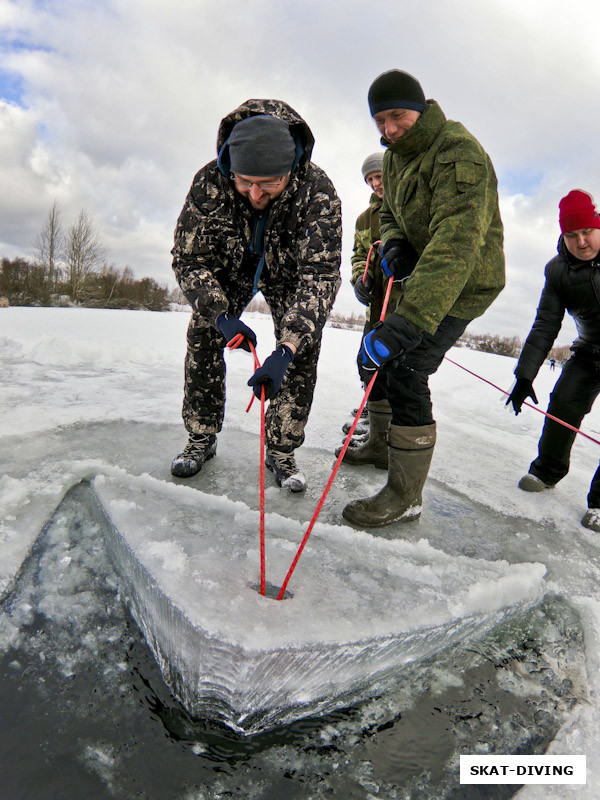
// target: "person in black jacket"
[[572, 285]]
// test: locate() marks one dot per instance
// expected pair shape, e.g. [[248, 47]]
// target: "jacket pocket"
[[468, 170]]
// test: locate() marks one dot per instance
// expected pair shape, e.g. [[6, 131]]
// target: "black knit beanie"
[[261, 145], [396, 89]]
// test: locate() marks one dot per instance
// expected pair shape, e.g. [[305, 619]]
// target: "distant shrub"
[[26, 283], [23, 283], [491, 343]]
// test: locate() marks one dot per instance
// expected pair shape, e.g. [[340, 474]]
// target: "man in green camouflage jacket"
[[441, 200], [260, 217]]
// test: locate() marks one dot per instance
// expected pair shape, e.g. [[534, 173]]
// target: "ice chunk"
[[361, 607]]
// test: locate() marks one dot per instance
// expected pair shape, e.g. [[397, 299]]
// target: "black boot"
[[200, 447], [287, 474], [375, 449], [362, 426], [410, 453]]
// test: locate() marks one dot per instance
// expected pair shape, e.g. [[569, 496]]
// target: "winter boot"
[[375, 449], [591, 519], [362, 426], [200, 447], [287, 474], [410, 452], [531, 483]]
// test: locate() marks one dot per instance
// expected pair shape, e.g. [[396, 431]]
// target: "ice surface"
[[82, 386], [361, 607]]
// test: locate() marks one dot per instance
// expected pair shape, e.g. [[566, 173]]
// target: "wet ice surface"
[[360, 608], [381, 603], [84, 393], [84, 699]]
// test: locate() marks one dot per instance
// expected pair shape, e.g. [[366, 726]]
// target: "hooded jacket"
[[295, 242], [573, 286], [440, 193]]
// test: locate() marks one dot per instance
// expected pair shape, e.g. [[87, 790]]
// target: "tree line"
[[510, 346], [70, 267]]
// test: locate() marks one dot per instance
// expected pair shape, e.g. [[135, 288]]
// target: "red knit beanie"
[[577, 211]]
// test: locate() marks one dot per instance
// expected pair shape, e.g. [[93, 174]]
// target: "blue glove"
[[399, 258], [270, 375], [387, 341], [364, 291], [230, 327]]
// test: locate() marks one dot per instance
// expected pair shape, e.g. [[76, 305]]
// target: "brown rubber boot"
[[375, 449], [410, 452]]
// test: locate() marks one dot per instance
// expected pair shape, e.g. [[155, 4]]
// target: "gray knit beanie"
[[261, 146], [372, 163]]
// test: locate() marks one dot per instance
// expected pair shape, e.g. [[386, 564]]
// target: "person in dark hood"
[[260, 217], [572, 285]]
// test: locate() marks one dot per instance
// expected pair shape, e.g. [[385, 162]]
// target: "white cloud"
[[122, 100]]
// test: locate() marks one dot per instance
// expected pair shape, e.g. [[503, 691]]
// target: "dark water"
[[86, 714]]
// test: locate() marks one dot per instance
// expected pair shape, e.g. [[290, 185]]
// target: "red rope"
[[236, 342], [373, 246], [261, 491], [341, 455], [529, 405], [326, 490]]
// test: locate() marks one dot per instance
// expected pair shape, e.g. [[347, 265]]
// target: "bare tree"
[[84, 253], [49, 245]]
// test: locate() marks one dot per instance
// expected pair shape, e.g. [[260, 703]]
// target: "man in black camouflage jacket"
[[260, 217]]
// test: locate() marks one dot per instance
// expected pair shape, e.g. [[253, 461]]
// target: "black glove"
[[230, 327], [399, 258], [522, 389], [364, 291], [387, 341], [270, 375]]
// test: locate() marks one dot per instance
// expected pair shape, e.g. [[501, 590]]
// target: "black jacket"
[[572, 286]]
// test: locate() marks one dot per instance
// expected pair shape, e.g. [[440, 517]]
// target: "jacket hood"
[[299, 130]]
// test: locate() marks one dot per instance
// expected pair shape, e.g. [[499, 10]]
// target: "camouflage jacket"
[[300, 232], [366, 233], [440, 193]]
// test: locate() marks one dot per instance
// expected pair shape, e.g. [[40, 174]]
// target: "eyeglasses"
[[265, 186]]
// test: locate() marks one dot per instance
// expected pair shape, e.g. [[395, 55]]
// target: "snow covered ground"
[[78, 385]]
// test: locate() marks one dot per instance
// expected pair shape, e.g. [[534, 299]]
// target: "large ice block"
[[361, 608]]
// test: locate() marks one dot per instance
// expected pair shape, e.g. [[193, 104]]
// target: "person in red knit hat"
[[572, 285]]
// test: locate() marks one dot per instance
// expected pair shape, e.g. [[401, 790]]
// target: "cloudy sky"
[[112, 105]]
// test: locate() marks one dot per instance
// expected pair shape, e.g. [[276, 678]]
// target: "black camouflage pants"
[[204, 392], [571, 399]]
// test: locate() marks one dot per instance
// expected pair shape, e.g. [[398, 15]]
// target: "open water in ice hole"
[[86, 713]]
